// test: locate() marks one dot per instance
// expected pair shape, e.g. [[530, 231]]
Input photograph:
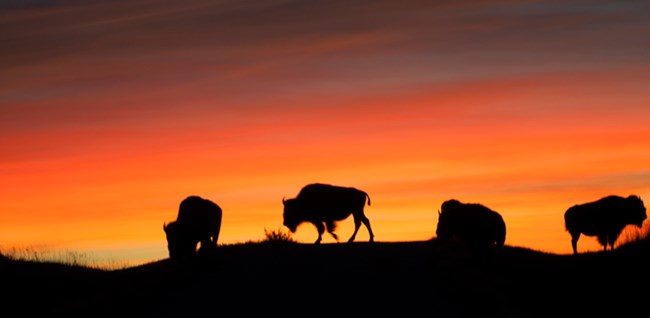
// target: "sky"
[[112, 112]]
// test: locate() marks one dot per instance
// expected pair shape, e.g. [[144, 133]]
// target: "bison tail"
[[367, 196]]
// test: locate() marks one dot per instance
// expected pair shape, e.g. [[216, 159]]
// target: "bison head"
[[291, 214], [180, 243], [446, 227], [636, 210], [450, 205], [443, 230]]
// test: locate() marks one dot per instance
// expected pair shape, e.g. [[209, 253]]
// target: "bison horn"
[[438, 212], [283, 200]]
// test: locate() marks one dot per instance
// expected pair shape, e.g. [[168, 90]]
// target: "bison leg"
[[357, 224], [321, 229], [604, 241], [366, 222], [611, 239], [207, 247], [330, 226], [574, 242]]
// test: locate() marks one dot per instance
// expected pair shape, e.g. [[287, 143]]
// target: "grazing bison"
[[474, 225], [604, 218], [198, 221], [323, 205]]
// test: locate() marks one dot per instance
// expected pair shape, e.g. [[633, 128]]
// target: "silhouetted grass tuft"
[[635, 240], [277, 235], [632, 234], [69, 258]]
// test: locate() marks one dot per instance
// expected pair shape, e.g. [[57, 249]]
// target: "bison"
[[474, 225], [323, 205], [198, 221], [604, 218]]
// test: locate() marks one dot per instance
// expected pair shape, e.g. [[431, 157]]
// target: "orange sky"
[[112, 112]]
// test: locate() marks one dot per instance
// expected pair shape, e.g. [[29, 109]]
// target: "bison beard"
[[323, 205]]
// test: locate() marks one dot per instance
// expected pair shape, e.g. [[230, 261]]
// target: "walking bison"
[[474, 225], [198, 221], [323, 205], [605, 218]]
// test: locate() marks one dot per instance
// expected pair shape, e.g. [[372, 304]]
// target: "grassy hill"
[[422, 278]]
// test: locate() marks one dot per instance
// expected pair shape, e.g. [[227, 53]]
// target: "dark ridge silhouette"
[[604, 218], [474, 225], [198, 221], [323, 205], [403, 279]]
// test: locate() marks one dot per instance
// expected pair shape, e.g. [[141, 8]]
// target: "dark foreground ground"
[[404, 279]]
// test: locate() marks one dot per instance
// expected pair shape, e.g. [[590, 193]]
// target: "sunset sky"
[[112, 112]]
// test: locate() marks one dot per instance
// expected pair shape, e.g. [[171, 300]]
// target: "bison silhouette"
[[474, 225], [198, 221], [323, 205], [604, 218]]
